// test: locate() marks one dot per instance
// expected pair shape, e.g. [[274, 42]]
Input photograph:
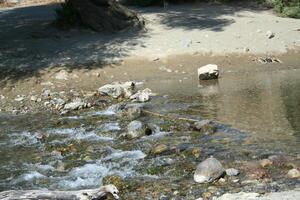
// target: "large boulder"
[[208, 72], [208, 171]]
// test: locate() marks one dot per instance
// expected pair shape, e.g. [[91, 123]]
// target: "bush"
[[288, 8]]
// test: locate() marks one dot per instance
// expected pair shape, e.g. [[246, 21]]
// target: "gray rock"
[[131, 111], [232, 172], [208, 72], [135, 129], [142, 95], [118, 89], [208, 171], [205, 127], [75, 105]]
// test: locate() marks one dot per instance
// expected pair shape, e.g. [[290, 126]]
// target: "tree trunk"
[[106, 15]]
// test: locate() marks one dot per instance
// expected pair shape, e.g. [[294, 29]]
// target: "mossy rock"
[[115, 180]]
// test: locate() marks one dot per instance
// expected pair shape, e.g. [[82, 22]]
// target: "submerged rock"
[[208, 72], [208, 171], [159, 149], [131, 111], [265, 163], [205, 126], [118, 89], [135, 129]]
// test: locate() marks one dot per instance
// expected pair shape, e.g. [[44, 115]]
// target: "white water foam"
[[120, 163]]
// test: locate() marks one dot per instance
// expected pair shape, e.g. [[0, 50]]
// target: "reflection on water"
[[265, 104]]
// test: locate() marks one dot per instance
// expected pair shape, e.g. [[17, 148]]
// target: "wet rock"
[[132, 111], [265, 163], [135, 129], [208, 171], [196, 152], [115, 180], [270, 34], [142, 95], [255, 171], [293, 173], [232, 172], [205, 127], [118, 89], [159, 149], [208, 72], [77, 104]]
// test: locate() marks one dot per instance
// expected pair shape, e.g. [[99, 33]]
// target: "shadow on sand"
[[30, 43]]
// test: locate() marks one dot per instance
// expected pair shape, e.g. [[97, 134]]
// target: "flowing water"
[[257, 114]]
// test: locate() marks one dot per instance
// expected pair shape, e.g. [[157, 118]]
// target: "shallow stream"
[[257, 115]]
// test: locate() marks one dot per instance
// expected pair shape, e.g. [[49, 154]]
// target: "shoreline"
[[173, 69]]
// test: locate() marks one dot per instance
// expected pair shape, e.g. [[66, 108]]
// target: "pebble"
[[232, 172], [160, 149], [265, 163], [19, 98], [270, 34], [33, 98]]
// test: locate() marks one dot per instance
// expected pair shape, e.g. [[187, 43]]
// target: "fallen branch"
[[169, 116], [94, 194]]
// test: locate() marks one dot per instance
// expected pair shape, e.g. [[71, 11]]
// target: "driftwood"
[[170, 117], [96, 194], [106, 15]]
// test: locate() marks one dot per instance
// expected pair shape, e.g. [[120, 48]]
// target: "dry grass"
[[3, 3]]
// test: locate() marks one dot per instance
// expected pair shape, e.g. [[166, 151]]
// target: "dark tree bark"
[[106, 15]]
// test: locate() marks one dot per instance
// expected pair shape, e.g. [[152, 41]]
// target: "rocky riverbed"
[[149, 149]]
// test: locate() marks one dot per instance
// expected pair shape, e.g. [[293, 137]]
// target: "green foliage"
[[288, 8], [66, 16]]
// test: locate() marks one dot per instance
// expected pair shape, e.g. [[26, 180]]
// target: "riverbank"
[[29, 42]]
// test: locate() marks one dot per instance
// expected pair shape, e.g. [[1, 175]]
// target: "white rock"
[[270, 34], [232, 172], [33, 98], [117, 89], [19, 98], [62, 75], [294, 173], [75, 105], [208, 171], [207, 72], [142, 96], [135, 129]]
